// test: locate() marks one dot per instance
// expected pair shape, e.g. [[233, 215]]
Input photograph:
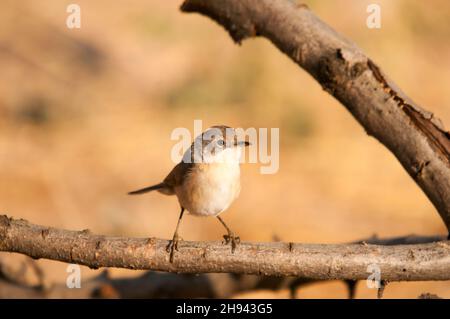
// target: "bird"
[[206, 181]]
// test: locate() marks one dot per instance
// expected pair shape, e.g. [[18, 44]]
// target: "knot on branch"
[[235, 19], [5, 223], [335, 69]]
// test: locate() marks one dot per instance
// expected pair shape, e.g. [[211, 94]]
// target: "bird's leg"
[[173, 244], [230, 237]]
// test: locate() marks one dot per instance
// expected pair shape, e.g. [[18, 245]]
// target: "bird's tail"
[[148, 189]]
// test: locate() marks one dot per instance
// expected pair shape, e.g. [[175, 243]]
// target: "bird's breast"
[[209, 189]]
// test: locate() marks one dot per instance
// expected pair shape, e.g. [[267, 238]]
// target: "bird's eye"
[[221, 142]]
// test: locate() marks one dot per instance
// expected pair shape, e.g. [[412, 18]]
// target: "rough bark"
[[429, 261], [413, 135], [166, 285]]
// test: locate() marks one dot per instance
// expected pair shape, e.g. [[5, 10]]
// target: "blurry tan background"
[[86, 116]]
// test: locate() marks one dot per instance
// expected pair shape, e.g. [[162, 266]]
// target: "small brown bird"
[[207, 180]]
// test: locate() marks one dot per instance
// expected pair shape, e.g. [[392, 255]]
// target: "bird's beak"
[[242, 143]]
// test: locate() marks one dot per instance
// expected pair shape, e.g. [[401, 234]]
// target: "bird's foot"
[[232, 239], [172, 246]]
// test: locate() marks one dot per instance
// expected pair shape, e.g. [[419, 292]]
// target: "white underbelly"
[[210, 190]]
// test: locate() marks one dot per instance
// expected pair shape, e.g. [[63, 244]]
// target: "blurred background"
[[86, 116]]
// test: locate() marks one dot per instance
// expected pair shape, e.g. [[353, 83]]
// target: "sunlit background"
[[86, 116]]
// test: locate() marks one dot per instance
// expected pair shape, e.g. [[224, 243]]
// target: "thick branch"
[[430, 261], [414, 135]]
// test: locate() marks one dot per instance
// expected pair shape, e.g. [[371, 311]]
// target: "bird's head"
[[217, 144]]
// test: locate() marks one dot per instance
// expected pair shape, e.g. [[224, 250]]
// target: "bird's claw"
[[234, 240], [172, 246]]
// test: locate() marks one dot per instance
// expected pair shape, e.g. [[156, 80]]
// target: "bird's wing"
[[177, 175]]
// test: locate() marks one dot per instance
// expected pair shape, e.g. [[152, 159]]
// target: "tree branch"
[[429, 261], [412, 134]]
